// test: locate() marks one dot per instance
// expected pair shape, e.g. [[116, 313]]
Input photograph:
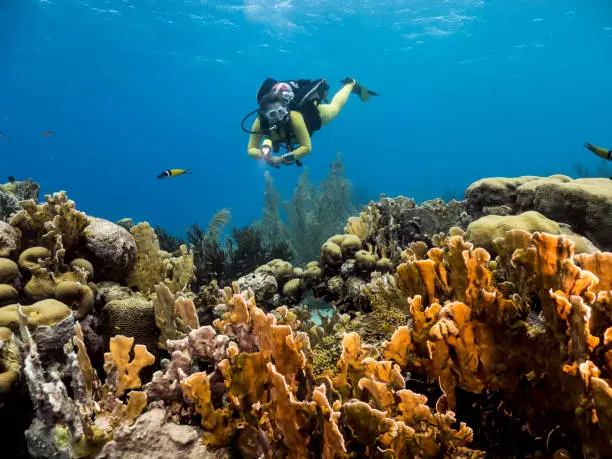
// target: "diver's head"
[[272, 108]]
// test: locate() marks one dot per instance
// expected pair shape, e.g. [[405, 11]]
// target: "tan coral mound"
[[483, 231], [585, 204]]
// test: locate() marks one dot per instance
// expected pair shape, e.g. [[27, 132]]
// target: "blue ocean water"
[[131, 87]]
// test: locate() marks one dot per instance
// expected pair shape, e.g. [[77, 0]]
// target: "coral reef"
[[153, 265], [289, 231], [209, 256], [56, 224], [60, 267], [317, 213], [78, 426], [407, 336], [295, 230], [243, 251], [385, 228], [247, 250], [167, 242]]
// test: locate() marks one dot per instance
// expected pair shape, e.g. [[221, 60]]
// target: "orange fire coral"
[[533, 312], [117, 363], [273, 403], [395, 420], [100, 408], [216, 422]]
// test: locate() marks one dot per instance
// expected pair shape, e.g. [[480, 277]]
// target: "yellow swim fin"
[[364, 93], [601, 152]]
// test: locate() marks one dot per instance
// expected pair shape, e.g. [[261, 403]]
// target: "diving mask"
[[275, 114]]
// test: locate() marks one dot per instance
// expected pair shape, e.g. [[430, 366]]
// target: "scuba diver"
[[290, 112]]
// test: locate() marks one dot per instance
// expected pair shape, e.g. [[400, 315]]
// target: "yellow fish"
[[601, 152], [173, 173]]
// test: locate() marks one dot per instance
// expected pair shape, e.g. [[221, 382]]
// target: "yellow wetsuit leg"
[[329, 111]]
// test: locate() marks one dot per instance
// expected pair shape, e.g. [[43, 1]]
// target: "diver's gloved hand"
[[274, 161], [363, 92]]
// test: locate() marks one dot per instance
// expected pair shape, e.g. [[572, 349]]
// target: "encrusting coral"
[[154, 437]]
